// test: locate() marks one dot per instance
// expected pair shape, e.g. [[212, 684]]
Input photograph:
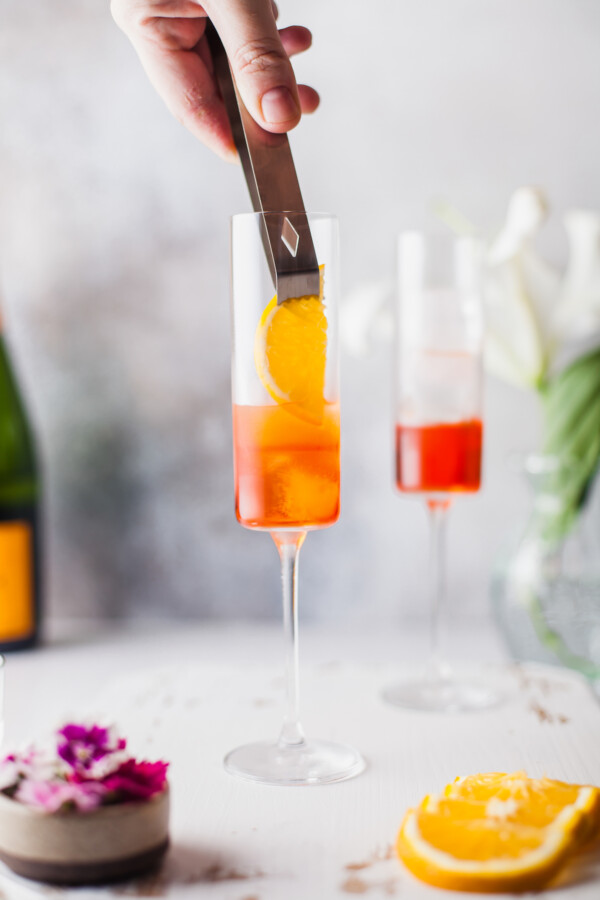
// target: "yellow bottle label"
[[16, 581]]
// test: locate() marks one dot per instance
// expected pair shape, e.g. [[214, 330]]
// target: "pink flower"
[[81, 747], [137, 780], [31, 763], [87, 767], [52, 796]]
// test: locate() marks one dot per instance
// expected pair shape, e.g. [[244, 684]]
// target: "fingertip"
[[280, 108], [295, 39], [301, 32], [309, 99], [230, 155]]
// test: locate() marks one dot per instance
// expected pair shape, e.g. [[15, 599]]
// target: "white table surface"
[[189, 693]]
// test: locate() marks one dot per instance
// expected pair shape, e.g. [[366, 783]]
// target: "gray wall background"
[[114, 253]]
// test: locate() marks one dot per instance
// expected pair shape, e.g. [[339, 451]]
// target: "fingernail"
[[278, 106]]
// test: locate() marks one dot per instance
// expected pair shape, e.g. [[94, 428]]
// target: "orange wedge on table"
[[497, 832], [290, 354], [538, 800]]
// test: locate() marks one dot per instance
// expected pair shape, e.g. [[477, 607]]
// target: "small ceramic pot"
[[108, 844]]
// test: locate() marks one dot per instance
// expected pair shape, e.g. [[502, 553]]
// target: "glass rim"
[[283, 212]]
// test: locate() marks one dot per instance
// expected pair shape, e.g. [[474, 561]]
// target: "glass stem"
[[438, 510], [288, 545]]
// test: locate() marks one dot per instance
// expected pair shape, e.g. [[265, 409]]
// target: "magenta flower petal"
[[137, 780], [81, 746]]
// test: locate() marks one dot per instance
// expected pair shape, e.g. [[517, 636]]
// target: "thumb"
[[261, 67]]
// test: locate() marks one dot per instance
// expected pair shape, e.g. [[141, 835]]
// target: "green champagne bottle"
[[19, 517]]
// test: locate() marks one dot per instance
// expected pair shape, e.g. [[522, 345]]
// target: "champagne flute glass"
[[286, 433], [438, 413]]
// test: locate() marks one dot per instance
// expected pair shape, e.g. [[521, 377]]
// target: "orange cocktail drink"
[[286, 467], [439, 457]]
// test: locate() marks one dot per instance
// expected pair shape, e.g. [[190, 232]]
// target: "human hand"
[[168, 36]]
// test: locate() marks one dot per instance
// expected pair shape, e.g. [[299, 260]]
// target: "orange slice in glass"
[[290, 354]]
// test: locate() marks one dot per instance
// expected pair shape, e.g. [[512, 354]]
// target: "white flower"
[[30, 762], [536, 319], [520, 292], [9, 774], [578, 314]]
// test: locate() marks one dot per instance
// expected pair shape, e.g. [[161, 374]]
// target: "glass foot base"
[[312, 762], [446, 695]]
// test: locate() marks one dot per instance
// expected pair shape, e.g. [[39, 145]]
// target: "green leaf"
[[567, 399], [572, 435]]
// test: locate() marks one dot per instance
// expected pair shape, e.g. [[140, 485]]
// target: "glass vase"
[[546, 584]]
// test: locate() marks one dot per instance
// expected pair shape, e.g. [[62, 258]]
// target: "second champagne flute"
[[438, 435], [286, 432]]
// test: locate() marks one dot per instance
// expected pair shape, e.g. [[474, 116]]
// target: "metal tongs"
[[273, 184]]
